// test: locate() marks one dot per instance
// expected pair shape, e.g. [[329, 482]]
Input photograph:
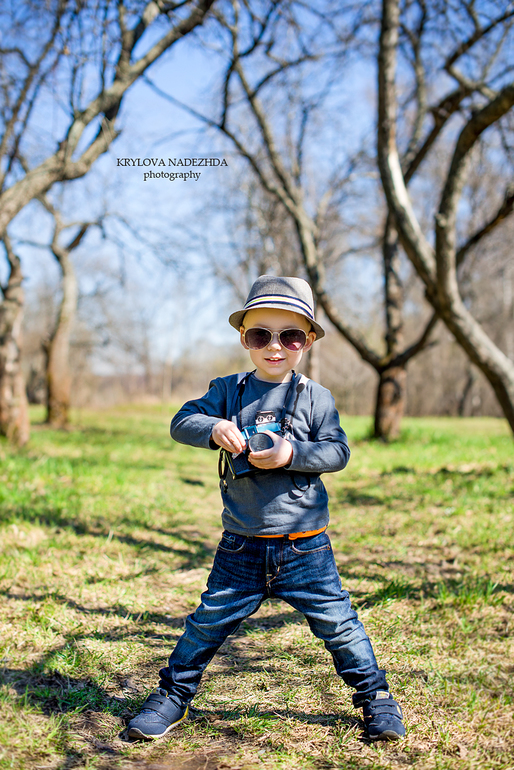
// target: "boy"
[[277, 432]]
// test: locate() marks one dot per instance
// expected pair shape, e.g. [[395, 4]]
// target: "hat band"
[[283, 299]]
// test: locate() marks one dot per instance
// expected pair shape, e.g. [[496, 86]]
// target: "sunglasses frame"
[[277, 335]]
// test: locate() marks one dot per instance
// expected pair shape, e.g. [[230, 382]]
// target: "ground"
[[106, 536]]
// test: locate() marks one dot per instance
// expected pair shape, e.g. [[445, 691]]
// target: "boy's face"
[[274, 362]]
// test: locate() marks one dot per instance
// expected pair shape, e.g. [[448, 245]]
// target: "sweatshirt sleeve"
[[193, 423], [327, 448]]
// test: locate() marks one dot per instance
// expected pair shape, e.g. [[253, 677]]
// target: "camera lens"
[[260, 441]]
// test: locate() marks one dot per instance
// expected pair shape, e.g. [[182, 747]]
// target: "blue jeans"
[[303, 573]]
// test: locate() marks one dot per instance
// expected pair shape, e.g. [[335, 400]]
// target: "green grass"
[[107, 533]]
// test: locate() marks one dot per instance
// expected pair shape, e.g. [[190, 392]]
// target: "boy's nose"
[[275, 342]]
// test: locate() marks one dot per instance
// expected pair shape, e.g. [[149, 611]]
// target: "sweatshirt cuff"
[[211, 443], [295, 464]]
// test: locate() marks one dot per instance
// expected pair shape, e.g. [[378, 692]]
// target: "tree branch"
[[506, 208], [243, 151], [423, 342], [421, 89], [441, 113], [479, 33], [446, 217], [34, 68], [414, 242], [269, 144], [61, 166], [354, 337]]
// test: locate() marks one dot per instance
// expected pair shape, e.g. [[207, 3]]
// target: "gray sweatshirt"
[[282, 500]]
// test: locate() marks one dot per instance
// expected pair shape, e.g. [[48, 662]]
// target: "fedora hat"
[[292, 294]]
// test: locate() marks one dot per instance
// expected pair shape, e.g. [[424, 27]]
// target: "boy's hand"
[[228, 436], [277, 456]]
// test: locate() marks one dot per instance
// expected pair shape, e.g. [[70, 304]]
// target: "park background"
[[367, 147]]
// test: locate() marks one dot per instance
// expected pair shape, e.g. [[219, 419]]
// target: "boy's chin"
[[273, 375]]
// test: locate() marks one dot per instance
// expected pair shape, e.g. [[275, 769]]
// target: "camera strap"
[[234, 415], [298, 382]]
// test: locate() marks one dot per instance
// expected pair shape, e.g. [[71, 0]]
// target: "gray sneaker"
[[160, 713]]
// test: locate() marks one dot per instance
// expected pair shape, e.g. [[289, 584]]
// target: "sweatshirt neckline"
[[265, 382]]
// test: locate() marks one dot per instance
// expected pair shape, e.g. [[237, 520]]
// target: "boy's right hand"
[[227, 435]]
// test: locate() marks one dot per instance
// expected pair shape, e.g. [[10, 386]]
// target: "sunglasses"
[[291, 339]]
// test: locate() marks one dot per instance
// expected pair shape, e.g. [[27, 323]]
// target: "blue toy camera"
[[256, 441]]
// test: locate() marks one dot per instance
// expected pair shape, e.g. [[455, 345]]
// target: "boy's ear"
[[242, 333], [311, 338]]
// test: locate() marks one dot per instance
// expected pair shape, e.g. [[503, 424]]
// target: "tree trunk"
[[393, 290], [58, 373], [390, 402], [14, 414], [390, 398]]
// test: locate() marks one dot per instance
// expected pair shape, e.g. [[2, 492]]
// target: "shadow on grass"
[[265, 717], [53, 694], [83, 734], [496, 482], [195, 553], [116, 610], [81, 702], [462, 591], [358, 498]]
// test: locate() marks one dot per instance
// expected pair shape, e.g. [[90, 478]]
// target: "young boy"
[[277, 432]]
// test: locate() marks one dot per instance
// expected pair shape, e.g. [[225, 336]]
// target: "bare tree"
[[437, 265], [57, 346], [99, 49], [257, 69], [14, 416]]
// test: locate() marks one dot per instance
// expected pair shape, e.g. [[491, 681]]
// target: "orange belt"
[[296, 535]]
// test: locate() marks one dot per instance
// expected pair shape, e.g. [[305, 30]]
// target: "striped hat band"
[[296, 304]]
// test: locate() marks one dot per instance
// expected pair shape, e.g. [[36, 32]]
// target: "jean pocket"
[[311, 544], [232, 543]]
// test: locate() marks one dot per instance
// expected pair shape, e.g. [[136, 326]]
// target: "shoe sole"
[[387, 735], [135, 733]]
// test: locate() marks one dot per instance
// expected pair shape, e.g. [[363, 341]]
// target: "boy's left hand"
[[277, 456]]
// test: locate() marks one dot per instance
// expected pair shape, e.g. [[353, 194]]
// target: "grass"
[[107, 534]]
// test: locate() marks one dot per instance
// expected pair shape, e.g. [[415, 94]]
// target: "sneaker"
[[159, 714], [383, 718]]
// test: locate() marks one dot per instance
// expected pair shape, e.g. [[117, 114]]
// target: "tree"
[[14, 415], [96, 51], [273, 136], [490, 97], [57, 347]]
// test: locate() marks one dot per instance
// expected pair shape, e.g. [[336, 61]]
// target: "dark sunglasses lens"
[[293, 339], [257, 338]]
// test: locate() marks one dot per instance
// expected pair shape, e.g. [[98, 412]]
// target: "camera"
[[254, 435], [256, 441]]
